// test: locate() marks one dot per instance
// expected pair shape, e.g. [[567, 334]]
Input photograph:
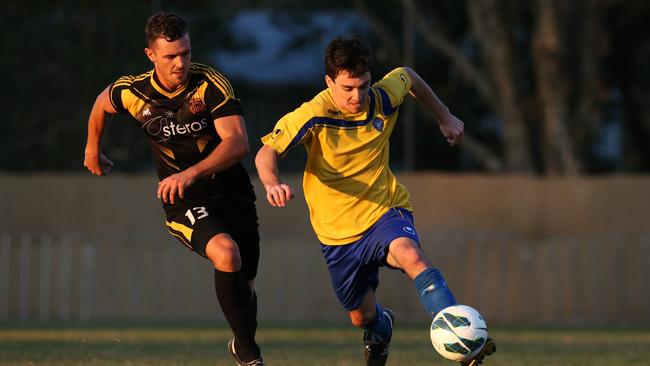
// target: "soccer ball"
[[458, 332]]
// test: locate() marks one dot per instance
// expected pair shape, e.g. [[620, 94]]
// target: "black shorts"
[[195, 224]]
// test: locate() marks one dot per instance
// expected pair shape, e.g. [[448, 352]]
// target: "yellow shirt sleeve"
[[292, 129], [396, 85]]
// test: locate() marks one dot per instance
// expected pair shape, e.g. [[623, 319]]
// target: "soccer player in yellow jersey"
[[361, 215], [197, 133]]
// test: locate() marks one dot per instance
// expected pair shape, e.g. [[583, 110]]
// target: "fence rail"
[[511, 279]]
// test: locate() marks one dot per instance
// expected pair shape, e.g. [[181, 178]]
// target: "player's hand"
[[98, 164], [452, 128], [279, 194], [174, 186]]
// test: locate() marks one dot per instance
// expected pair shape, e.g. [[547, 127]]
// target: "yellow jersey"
[[348, 184]]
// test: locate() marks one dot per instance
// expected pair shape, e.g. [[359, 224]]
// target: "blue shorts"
[[354, 267]]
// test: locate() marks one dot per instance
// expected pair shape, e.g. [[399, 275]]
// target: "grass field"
[[302, 345]]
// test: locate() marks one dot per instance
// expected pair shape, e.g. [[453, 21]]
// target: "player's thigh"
[[352, 274]]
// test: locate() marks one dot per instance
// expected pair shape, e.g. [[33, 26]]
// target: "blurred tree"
[[544, 86], [536, 65], [59, 55]]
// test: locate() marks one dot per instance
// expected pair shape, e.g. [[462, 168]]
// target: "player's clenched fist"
[[279, 194], [98, 165]]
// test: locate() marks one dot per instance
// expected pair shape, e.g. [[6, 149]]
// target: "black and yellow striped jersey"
[[180, 124]]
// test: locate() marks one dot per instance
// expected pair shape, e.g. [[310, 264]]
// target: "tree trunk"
[[552, 89], [447, 49], [591, 44], [490, 31]]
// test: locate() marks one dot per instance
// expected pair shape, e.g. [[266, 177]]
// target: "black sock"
[[253, 318], [236, 300]]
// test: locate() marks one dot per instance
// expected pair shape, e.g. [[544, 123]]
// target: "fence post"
[[5, 272], [24, 278], [86, 281], [64, 278], [45, 283]]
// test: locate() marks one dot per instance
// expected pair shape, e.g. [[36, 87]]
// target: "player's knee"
[[224, 254], [413, 255], [408, 254], [359, 318]]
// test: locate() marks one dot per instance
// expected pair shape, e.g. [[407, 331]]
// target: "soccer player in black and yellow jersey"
[[360, 213], [197, 133]]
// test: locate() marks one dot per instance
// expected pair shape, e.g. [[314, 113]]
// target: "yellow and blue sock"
[[433, 291]]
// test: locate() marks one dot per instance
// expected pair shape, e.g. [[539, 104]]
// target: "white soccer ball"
[[458, 332]]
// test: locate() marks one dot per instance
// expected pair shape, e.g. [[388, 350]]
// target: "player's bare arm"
[[94, 160], [266, 162], [233, 147], [450, 126]]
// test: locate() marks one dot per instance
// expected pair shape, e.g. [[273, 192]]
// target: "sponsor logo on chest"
[[164, 125]]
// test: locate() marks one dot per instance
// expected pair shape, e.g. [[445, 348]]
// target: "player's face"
[[349, 93], [171, 60]]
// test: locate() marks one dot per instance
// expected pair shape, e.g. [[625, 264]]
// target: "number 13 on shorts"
[[199, 213]]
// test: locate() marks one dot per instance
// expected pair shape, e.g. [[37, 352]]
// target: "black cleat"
[[488, 348], [375, 352], [233, 353]]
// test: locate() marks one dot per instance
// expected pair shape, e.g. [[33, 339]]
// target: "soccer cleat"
[[375, 352], [488, 348], [233, 353]]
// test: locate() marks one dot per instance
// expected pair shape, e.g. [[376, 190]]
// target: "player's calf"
[[377, 348]]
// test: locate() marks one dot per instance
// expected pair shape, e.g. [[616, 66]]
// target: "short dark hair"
[[164, 24], [347, 53]]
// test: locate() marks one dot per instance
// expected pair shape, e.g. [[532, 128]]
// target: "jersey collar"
[[162, 90], [368, 107]]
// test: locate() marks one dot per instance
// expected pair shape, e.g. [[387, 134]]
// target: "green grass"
[[301, 345]]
